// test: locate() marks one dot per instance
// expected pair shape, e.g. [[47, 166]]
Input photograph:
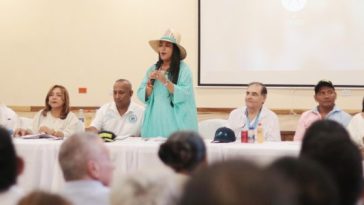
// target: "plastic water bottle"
[[10, 131], [81, 116], [88, 118], [251, 135], [260, 133]]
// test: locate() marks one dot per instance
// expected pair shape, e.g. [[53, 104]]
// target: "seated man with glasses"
[[325, 96]]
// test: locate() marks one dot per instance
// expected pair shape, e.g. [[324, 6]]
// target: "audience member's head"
[[122, 92], [61, 92], [328, 143], [148, 187], [310, 181], [43, 198], [362, 106], [184, 151], [10, 164], [235, 182], [84, 156]]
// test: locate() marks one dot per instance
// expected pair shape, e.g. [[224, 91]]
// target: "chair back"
[[207, 128], [25, 123]]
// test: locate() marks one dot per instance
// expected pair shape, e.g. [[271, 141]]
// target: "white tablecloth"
[[42, 169], [259, 153]]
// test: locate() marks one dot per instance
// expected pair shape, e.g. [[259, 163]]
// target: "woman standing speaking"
[[167, 90]]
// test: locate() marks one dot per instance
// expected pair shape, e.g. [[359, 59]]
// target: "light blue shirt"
[[310, 116], [337, 115], [90, 192]]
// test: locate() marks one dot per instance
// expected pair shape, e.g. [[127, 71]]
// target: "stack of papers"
[[40, 136]]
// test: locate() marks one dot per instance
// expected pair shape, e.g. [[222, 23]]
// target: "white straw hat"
[[170, 36]]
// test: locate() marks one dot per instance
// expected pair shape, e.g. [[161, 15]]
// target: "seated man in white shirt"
[[8, 118], [122, 117], [87, 169], [11, 166], [254, 113], [356, 129]]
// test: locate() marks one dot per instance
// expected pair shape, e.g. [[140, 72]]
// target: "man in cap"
[[254, 113], [87, 169], [122, 117], [325, 96]]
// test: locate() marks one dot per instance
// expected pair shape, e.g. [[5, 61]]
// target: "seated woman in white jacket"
[[56, 118], [356, 128]]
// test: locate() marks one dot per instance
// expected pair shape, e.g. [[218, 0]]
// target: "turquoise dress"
[[161, 118]]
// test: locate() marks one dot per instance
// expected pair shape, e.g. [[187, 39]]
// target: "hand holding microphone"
[[157, 75], [161, 76], [150, 83], [152, 77]]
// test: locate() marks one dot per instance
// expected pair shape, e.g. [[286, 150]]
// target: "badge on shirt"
[[132, 118]]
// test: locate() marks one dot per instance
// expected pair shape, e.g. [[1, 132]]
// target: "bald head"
[[124, 81], [122, 92], [75, 153]]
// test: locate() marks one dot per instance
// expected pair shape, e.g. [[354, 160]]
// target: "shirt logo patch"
[[132, 118]]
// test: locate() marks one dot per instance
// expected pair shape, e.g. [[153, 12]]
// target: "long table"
[[42, 170]]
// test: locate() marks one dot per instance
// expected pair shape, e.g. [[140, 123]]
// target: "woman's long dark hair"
[[174, 67]]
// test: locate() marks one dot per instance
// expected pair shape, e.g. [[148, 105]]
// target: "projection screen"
[[281, 42]]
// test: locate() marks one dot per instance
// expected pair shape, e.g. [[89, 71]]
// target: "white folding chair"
[[207, 128], [25, 122]]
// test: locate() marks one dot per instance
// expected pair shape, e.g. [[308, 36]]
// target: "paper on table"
[[40, 136], [155, 139]]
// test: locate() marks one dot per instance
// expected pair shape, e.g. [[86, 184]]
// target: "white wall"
[[91, 43]]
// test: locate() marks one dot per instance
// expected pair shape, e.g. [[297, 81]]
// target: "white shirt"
[[8, 118], [107, 118], [356, 129], [68, 126], [82, 192], [11, 196], [237, 121]]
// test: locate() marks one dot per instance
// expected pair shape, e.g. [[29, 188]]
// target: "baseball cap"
[[107, 136], [223, 135], [323, 83]]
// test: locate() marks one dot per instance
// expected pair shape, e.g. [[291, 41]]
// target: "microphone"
[[152, 81]]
